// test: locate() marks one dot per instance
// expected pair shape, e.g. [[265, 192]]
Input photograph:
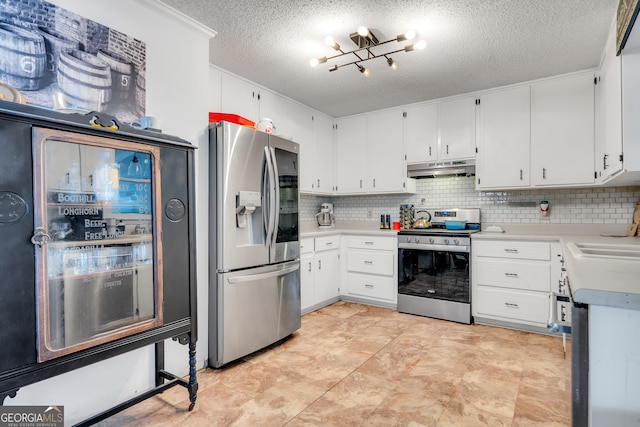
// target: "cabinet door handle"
[[319, 264], [328, 243], [40, 237], [368, 262], [368, 286], [544, 173], [429, 151], [360, 183], [520, 174], [374, 183], [511, 305], [604, 161], [309, 265], [318, 183], [447, 148], [515, 275], [511, 251], [368, 243]]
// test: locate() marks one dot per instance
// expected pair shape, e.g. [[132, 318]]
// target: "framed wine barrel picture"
[[62, 61]]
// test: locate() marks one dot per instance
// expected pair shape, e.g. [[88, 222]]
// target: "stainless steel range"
[[434, 267]]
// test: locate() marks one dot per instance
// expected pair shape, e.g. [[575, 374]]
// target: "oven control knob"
[[446, 241], [456, 241], [408, 239], [416, 239], [431, 240]]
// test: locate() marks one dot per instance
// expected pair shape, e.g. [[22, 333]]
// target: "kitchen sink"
[[605, 250]]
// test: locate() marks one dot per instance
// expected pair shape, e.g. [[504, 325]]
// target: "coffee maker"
[[325, 217]]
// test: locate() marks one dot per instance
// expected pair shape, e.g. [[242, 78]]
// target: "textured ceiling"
[[471, 45]]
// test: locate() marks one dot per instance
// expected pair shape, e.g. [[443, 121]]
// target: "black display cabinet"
[[97, 246]]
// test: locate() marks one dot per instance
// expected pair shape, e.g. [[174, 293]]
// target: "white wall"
[[177, 79]]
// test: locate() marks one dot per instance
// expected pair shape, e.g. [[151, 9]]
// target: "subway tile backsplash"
[[596, 205]]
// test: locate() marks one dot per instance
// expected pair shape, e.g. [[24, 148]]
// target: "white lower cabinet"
[[319, 272], [306, 273], [512, 281], [371, 269]]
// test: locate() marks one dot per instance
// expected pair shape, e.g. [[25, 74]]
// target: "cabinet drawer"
[[306, 245], [371, 286], [519, 305], [511, 249], [371, 262], [327, 243], [368, 242], [506, 273]]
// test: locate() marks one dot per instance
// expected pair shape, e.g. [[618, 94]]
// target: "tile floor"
[[357, 365]]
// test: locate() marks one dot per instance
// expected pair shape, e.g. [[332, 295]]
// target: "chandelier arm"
[[359, 60], [343, 53]]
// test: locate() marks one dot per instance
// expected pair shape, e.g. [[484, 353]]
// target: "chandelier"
[[366, 41]]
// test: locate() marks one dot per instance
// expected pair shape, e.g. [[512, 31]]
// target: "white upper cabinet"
[[386, 159], [504, 139], [609, 112], [239, 97], [276, 108], [563, 131], [301, 128], [457, 128], [421, 133], [323, 155], [351, 155]]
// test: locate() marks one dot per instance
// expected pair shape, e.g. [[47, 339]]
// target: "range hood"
[[433, 169]]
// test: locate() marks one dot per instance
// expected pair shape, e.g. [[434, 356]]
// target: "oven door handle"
[[442, 248]]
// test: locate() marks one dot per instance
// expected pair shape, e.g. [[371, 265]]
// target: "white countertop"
[[593, 280], [311, 229], [603, 281], [548, 232]]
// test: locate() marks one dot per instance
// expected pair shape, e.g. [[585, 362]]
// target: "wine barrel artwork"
[[121, 74], [85, 80], [23, 58], [55, 43], [141, 91]]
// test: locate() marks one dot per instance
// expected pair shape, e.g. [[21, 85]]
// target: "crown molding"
[[178, 17]]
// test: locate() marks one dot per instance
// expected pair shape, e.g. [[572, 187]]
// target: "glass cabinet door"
[[96, 235]]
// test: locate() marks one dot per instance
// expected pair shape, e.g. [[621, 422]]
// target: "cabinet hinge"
[[621, 157], [404, 114]]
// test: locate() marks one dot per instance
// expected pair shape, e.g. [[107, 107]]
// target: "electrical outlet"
[[369, 213], [423, 200]]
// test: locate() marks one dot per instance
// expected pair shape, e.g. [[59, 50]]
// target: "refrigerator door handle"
[[254, 277], [268, 190], [276, 191]]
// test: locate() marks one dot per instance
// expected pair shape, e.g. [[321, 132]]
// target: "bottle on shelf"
[[106, 180]]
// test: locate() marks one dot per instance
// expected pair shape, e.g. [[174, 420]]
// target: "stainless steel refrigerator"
[[254, 290]]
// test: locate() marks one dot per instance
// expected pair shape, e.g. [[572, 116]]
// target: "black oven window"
[[434, 274]]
